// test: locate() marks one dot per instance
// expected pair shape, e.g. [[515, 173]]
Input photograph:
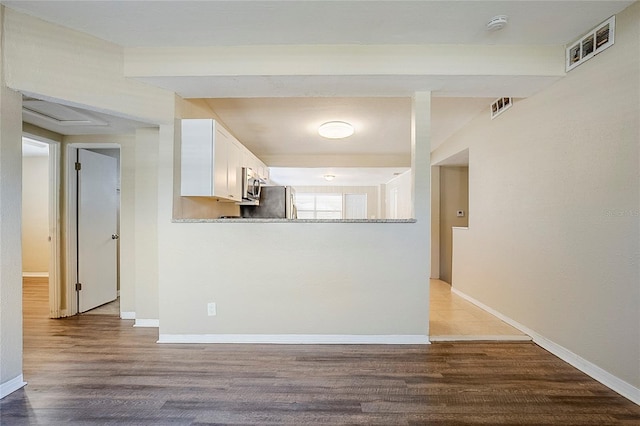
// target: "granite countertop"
[[254, 220]]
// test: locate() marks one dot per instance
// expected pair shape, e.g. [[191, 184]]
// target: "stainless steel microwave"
[[251, 186]]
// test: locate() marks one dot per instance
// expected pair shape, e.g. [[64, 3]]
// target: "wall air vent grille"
[[590, 44], [499, 106]]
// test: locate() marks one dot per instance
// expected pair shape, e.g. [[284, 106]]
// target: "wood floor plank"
[[98, 369]]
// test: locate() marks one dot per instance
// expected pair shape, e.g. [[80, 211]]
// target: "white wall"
[[127, 226], [553, 241], [87, 70], [363, 279], [35, 215], [146, 239]]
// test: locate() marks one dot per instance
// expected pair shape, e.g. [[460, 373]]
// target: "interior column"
[[10, 235], [421, 174]]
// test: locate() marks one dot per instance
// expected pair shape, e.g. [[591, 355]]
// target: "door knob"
[[115, 236]]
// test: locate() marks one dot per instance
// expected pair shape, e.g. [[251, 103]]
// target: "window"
[[319, 206]]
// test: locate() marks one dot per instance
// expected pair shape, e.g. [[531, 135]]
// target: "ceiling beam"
[[348, 70]]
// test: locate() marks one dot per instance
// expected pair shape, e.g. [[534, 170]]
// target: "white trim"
[[11, 386], [70, 231], [55, 257], [298, 339], [482, 338], [55, 260], [128, 315], [609, 380], [35, 275], [147, 323]]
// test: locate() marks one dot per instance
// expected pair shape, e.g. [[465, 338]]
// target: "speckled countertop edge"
[[253, 220]]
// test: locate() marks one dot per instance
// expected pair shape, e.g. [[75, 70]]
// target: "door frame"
[[71, 187], [53, 202]]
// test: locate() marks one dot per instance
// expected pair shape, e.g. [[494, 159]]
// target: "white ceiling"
[[226, 23], [287, 125], [344, 176]]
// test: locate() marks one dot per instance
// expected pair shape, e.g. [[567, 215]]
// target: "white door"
[[97, 229]]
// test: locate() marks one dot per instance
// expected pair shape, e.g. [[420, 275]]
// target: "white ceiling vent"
[[58, 114], [590, 44], [499, 106]]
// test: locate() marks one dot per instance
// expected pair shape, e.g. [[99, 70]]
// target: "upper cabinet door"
[[197, 158], [220, 175], [212, 161], [234, 171]]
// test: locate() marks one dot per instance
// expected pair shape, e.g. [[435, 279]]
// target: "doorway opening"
[[47, 295], [38, 226], [451, 316], [454, 212], [93, 212]]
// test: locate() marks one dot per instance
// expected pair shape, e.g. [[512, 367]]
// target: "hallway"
[[452, 318]]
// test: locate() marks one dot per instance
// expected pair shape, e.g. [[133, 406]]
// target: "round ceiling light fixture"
[[336, 130], [497, 23], [329, 178]]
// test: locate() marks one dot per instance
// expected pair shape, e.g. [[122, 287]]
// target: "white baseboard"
[[153, 323], [128, 315], [35, 275], [11, 386], [609, 380], [297, 339]]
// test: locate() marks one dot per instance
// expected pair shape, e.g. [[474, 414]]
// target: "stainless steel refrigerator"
[[276, 202]]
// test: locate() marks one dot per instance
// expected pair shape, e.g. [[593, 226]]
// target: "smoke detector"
[[497, 23]]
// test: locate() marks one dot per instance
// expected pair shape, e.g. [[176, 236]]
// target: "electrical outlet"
[[460, 213], [211, 309]]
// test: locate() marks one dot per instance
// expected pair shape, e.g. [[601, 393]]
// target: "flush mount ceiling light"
[[335, 130], [497, 23], [329, 177]]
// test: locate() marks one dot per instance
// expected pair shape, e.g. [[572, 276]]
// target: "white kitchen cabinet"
[[210, 161], [220, 173], [264, 172], [251, 161], [234, 170]]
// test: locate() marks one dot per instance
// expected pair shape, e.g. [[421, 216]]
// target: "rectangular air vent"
[[499, 106], [590, 44]]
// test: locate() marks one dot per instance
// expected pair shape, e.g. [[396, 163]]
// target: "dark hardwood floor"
[[98, 369]]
